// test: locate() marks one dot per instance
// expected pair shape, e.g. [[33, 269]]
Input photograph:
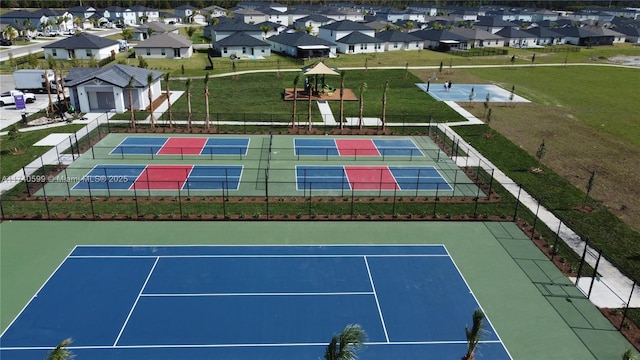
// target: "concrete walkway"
[[610, 289]]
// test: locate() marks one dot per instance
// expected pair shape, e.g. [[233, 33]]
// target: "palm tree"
[[342, 75], [188, 86], [345, 345], [152, 119], [61, 352], [10, 32], [474, 334], [52, 63], [190, 31], [130, 85], [265, 29], [385, 88], [168, 94], [361, 89], [295, 99], [206, 101], [64, 95]]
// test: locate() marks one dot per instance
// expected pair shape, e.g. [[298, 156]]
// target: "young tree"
[[590, 184], [385, 88], [61, 352], [190, 31], [345, 346], [474, 335], [14, 135], [511, 95], [361, 89], [52, 65], [295, 99], [541, 152], [628, 355], [152, 119], [132, 119], [206, 101], [167, 75], [486, 103], [342, 75], [265, 29], [472, 94], [188, 86], [310, 94]]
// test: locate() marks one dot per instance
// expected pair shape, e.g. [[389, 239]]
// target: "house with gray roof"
[[394, 40], [583, 36], [441, 40], [301, 45], [82, 46], [545, 36], [632, 34], [492, 24], [242, 45], [106, 89], [479, 38], [517, 38], [359, 43], [315, 21], [339, 29], [165, 46]]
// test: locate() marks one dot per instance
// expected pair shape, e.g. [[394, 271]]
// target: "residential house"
[[165, 46], [427, 10], [185, 11], [169, 18], [632, 34], [517, 38], [582, 36], [227, 27], [339, 29], [359, 43], [250, 16], [82, 46], [313, 21], [82, 11], [394, 40], [275, 16], [618, 37], [479, 38], [272, 29], [143, 32], [545, 36], [492, 24], [261, 4], [214, 11], [106, 89], [441, 40], [301, 45], [242, 45]]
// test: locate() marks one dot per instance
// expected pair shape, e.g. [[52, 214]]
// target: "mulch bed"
[[348, 95]]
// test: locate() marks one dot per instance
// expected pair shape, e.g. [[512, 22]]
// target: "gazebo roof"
[[319, 69]]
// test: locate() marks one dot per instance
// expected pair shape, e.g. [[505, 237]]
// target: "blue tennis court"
[[138, 145], [376, 177], [250, 302], [355, 147], [161, 177]]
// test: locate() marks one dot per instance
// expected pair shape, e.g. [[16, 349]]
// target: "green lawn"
[[13, 162], [602, 97]]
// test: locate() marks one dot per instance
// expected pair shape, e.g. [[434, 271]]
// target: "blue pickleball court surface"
[[139, 145], [250, 302], [355, 147]]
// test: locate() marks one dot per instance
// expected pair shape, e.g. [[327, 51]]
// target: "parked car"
[[7, 97], [6, 42]]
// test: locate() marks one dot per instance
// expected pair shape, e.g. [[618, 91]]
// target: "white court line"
[[252, 256], [115, 343], [375, 295], [262, 294], [257, 345]]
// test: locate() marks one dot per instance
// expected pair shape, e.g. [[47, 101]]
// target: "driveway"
[[8, 114]]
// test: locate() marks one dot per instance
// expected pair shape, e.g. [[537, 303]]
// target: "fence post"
[[595, 272], [93, 212], [535, 221], [626, 308], [515, 213], [26, 181], [491, 183], [554, 251], [46, 201], [180, 199], [584, 254]]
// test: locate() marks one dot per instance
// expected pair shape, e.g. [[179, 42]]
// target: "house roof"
[[299, 39], [475, 34], [578, 32], [346, 25], [315, 18], [157, 26], [438, 35], [241, 39], [166, 40], [513, 33], [117, 75], [234, 25], [493, 21], [542, 32], [396, 36], [357, 37], [82, 41]]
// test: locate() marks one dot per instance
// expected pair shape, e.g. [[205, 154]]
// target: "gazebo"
[[319, 68]]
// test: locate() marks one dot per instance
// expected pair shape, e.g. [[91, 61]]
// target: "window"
[[54, 52], [176, 53], [88, 52], [363, 46], [162, 52], [224, 50], [395, 45], [148, 51], [378, 46], [244, 50]]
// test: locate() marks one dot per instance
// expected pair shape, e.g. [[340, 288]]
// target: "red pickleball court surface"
[[364, 147], [186, 146], [370, 178], [158, 177]]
